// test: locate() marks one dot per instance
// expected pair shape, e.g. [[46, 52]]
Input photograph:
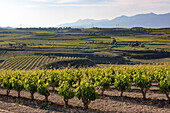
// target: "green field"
[[96, 64], [94, 43], [31, 62]]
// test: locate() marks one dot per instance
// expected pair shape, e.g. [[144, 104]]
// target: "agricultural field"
[[30, 62], [138, 88], [101, 45], [85, 70]]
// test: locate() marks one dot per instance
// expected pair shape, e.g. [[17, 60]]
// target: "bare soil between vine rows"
[[111, 101]]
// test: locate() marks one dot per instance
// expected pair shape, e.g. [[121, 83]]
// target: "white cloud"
[[142, 3], [31, 6], [83, 5], [41, 0], [57, 1], [67, 1], [106, 3]]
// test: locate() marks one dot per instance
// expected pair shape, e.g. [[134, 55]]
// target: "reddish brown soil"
[[132, 101]]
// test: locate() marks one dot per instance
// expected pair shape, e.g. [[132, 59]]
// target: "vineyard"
[[101, 45], [30, 62], [88, 84]]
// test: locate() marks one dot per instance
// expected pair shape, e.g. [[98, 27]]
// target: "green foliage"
[[143, 80], [136, 44], [111, 74], [142, 45], [32, 62], [24, 44], [31, 84], [54, 79], [66, 41], [69, 76], [1, 79], [17, 83], [92, 34], [160, 74], [114, 42], [123, 82], [164, 86], [43, 88], [103, 81], [66, 92], [10, 44], [86, 81], [86, 92], [78, 75], [7, 83]]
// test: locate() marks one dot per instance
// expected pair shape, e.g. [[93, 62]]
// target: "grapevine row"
[[29, 62], [86, 83]]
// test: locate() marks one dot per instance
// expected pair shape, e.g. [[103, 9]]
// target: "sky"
[[51, 13]]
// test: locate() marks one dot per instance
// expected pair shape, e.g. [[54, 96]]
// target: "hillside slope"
[[32, 62]]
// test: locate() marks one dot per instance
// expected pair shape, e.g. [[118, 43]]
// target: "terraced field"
[[30, 62], [101, 45]]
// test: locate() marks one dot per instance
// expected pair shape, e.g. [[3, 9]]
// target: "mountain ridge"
[[148, 20]]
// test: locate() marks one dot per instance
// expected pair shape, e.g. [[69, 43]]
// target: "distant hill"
[[149, 20], [7, 28]]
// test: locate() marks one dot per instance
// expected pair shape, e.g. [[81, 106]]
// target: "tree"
[[24, 45], [10, 44], [113, 42]]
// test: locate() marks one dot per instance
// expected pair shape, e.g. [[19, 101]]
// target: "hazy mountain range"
[[149, 20], [7, 27]]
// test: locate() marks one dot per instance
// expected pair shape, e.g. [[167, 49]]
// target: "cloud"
[[106, 3], [142, 3], [67, 1], [73, 1], [42, 0], [82, 5], [32, 6]]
